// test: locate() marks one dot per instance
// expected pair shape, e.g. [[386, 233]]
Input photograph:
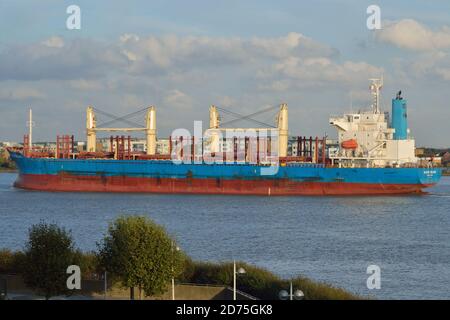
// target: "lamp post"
[[105, 286], [173, 275], [291, 295], [235, 273]]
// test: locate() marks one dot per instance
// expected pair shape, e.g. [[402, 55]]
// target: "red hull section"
[[277, 187]]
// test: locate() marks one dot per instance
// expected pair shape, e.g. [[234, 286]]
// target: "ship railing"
[[306, 165]]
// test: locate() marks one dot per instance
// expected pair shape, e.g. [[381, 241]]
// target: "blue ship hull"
[[159, 176]]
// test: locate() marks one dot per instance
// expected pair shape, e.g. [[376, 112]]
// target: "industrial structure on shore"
[[374, 155]]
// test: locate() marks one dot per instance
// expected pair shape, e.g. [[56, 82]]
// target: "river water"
[[330, 239]]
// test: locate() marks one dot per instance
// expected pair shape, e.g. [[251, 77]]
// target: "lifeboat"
[[350, 144]]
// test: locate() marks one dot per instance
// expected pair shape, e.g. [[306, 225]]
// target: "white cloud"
[[178, 99], [54, 42], [132, 101], [20, 94], [430, 51], [188, 73], [83, 84], [264, 59], [130, 55], [427, 66], [292, 44], [128, 37], [226, 101], [154, 56], [444, 73], [321, 71], [276, 85], [78, 58], [412, 35], [171, 51]]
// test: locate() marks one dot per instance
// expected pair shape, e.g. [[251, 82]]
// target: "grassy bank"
[[257, 282]]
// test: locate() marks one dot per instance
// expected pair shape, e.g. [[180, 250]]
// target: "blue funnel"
[[399, 118]]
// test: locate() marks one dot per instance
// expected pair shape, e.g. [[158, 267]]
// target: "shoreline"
[[9, 171]]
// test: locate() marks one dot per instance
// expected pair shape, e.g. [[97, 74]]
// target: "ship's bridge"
[[367, 136]]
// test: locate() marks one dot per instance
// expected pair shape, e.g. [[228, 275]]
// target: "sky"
[[183, 56]]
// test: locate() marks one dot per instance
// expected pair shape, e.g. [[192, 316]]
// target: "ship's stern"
[[429, 176]]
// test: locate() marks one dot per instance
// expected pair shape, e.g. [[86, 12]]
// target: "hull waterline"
[[207, 186], [148, 176]]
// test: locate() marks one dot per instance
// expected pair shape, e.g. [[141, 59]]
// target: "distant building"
[[80, 146], [137, 145], [5, 144], [446, 159], [44, 145], [162, 146], [420, 152], [437, 161]]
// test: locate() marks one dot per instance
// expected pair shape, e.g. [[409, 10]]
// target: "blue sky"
[[183, 56]]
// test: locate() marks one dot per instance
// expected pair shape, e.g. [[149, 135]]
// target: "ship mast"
[[375, 88]]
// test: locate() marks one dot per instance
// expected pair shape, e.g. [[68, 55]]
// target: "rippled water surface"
[[330, 239]]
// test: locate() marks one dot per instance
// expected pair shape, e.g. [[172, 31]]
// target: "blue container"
[[399, 119]]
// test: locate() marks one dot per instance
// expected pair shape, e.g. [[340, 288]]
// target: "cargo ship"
[[373, 155]]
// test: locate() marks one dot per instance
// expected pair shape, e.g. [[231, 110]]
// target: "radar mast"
[[375, 88]]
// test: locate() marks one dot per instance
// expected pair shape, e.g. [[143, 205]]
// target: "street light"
[[235, 273], [173, 275], [297, 295], [105, 285]]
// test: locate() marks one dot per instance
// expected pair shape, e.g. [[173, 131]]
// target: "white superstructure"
[[366, 138]]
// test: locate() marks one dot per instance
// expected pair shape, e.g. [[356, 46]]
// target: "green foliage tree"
[[88, 263], [139, 253], [11, 262], [48, 252]]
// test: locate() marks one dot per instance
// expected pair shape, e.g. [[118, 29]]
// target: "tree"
[[48, 252], [11, 262], [140, 253]]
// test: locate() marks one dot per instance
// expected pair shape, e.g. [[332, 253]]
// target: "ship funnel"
[[150, 131], [282, 124], [399, 118]]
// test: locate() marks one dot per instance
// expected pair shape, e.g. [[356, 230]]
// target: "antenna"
[[351, 101]]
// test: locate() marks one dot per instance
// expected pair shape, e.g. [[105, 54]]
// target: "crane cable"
[[122, 118], [247, 117]]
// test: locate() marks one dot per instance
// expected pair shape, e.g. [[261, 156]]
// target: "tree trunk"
[[131, 293]]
